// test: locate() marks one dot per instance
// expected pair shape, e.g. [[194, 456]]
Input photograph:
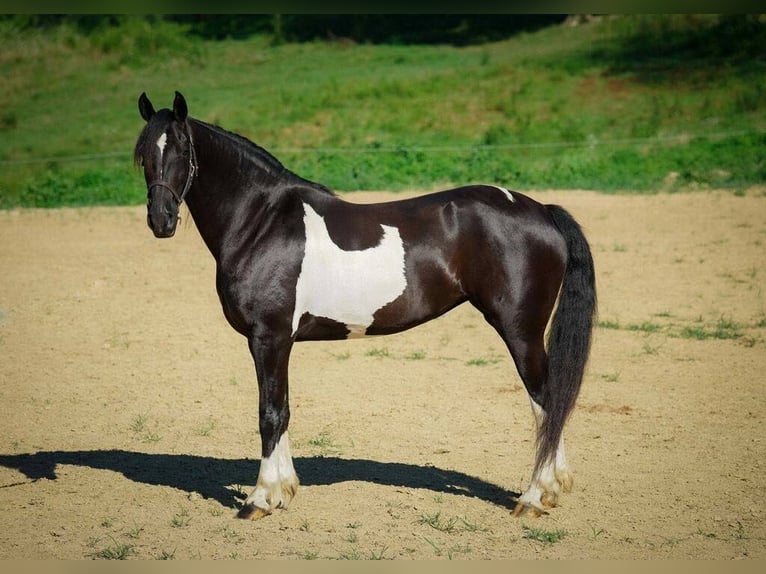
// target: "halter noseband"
[[193, 168]]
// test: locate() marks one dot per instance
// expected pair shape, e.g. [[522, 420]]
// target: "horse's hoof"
[[252, 512], [523, 510]]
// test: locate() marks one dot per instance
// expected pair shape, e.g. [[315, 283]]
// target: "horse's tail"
[[569, 338]]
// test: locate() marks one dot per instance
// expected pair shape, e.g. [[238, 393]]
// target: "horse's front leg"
[[277, 482]]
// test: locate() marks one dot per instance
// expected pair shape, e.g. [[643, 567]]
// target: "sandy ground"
[[128, 407]]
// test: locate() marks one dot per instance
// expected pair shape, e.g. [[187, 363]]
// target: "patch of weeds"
[[325, 443], [206, 428], [611, 377], [619, 248], [139, 424], [436, 522], [594, 534], [608, 325], [415, 356], [645, 327], [140, 427], [309, 555], [118, 551], [451, 551], [231, 535], [450, 525], [544, 536], [740, 533], [354, 553], [648, 349], [350, 554], [233, 381], [341, 356], [698, 333], [377, 353], [482, 362], [724, 329], [118, 341], [180, 520], [165, 555], [473, 526], [135, 532], [379, 555]]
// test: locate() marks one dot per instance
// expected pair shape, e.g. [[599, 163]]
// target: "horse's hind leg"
[[524, 333], [548, 481]]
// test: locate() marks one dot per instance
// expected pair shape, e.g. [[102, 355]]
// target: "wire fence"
[[586, 142]]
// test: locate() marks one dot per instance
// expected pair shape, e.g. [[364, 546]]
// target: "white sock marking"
[[547, 480], [347, 286], [276, 472]]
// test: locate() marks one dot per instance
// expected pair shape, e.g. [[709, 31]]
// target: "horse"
[[295, 262]]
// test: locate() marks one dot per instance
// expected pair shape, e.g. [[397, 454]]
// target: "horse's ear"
[[179, 107], [145, 107]]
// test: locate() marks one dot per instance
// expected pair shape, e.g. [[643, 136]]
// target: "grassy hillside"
[[626, 104]]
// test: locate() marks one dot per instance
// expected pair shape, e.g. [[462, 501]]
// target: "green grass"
[[544, 536], [118, 551], [597, 106], [180, 520], [377, 353], [482, 362], [723, 328], [140, 428]]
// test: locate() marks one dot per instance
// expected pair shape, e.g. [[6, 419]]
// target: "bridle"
[[193, 169]]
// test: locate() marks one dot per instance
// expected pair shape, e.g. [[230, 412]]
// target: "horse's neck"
[[223, 191]]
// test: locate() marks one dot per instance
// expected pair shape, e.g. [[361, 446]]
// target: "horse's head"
[[165, 150]]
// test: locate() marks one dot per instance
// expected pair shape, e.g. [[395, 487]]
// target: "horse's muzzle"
[[163, 225]]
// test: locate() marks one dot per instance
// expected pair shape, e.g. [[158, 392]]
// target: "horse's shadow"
[[212, 477]]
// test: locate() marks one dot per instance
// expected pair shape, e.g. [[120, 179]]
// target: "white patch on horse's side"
[[161, 141], [277, 481], [347, 286], [507, 193]]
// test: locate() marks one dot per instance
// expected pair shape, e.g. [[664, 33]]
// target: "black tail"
[[570, 336]]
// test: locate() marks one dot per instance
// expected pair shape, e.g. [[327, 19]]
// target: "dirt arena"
[[128, 407]]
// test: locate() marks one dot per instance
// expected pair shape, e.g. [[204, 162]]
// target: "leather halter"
[[193, 169]]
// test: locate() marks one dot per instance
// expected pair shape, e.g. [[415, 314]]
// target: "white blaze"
[[161, 141], [347, 286]]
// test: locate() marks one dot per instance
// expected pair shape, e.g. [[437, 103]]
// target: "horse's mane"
[[153, 130], [261, 156]]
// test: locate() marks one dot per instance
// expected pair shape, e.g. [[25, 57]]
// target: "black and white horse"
[[297, 263]]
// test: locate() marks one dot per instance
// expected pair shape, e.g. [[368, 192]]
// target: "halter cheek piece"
[[193, 168]]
